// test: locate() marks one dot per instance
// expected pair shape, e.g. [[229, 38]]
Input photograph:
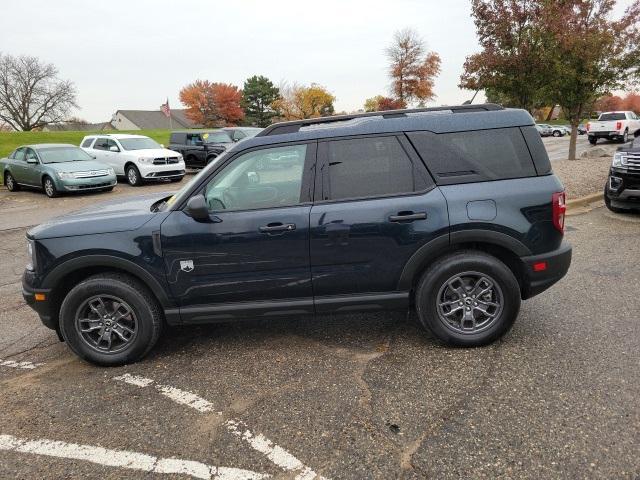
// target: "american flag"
[[164, 108]]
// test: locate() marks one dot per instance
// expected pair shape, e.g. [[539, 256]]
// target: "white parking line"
[[125, 459], [275, 453], [23, 365], [179, 396]]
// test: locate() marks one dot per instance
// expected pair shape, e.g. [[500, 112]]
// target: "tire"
[[10, 182], [593, 140], [144, 319], [133, 176], [436, 287], [49, 187], [557, 133]]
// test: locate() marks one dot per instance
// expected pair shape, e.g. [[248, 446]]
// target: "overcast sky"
[[134, 54]]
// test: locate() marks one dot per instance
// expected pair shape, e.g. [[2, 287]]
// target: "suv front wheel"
[[110, 319], [468, 299]]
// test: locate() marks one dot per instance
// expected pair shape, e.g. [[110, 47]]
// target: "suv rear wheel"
[[110, 319], [468, 299]]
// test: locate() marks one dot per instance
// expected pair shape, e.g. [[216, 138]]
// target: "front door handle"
[[407, 217], [278, 227]]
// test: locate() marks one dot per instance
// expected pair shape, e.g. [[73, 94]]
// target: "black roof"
[[437, 120]]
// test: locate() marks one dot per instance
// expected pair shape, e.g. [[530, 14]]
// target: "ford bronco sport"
[[453, 211]]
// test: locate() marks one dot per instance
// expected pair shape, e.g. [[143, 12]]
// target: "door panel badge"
[[186, 265]]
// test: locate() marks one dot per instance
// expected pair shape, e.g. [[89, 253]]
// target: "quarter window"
[[474, 156], [369, 167], [264, 178]]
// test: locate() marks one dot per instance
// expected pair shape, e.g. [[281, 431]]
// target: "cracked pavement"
[[351, 396]]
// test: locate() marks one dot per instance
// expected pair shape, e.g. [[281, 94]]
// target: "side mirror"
[[113, 148], [197, 208], [32, 161], [636, 134]]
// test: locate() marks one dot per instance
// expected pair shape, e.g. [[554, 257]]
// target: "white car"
[[613, 126], [136, 157]]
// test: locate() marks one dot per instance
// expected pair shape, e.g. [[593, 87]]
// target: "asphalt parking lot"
[[353, 396]]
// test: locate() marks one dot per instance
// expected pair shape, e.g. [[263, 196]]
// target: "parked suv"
[[622, 191], [200, 147], [137, 158], [452, 211]]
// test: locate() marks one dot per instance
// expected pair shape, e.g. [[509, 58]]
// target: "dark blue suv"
[[453, 211]]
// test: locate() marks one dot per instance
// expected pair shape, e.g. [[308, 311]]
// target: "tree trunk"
[[573, 140]]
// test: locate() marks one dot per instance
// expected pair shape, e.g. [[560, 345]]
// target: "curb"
[[582, 201]]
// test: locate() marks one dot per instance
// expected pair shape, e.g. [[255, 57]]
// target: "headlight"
[[66, 175], [619, 159], [145, 159], [111, 171], [31, 250]]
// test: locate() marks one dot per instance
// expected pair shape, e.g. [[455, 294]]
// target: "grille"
[[171, 173], [633, 162], [91, 174], [165, 160]]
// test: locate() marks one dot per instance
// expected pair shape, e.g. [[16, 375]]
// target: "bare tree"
[[412, 67], [31, 94]]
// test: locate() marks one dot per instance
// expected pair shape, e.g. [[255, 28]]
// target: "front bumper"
[[161, 172], [43, 308], [556, 264], [623, 188], [88, 184]]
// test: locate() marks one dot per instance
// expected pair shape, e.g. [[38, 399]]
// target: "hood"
[[80, 166], [154, 152], [118, 215]]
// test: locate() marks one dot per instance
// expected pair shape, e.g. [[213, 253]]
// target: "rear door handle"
[[407, 217], [278, 227]]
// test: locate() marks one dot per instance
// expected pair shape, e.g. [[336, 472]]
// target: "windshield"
[[612, 116], [216, 137], [138, 143], [62, 154]]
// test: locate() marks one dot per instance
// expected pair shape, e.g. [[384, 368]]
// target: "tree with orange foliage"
[[610, 103], [412, 67], [297, 102], [212, 104], [380, 103]]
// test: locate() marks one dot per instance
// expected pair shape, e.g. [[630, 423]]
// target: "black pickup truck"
[[200, 147]]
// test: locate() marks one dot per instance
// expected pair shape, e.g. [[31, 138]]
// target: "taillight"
[[559, 209], [618, 125], [588, 126]]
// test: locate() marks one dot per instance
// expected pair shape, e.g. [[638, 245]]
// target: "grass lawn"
[[9, 141]]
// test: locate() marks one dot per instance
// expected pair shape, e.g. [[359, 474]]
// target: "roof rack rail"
[[295, 125]]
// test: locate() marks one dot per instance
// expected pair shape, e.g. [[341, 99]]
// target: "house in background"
[[77, 127], [151, 120]]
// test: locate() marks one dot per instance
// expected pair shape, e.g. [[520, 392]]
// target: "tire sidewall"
[[7, 183], [435, 277], [106, 286], [53, 187]]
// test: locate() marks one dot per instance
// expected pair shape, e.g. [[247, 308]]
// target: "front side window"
[[112, 143], [267, 178], [369, 167], [30, 155], [101, 144]]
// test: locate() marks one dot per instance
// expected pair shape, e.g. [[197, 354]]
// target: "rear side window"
[[87, 143], [474, 156], [370, 167]]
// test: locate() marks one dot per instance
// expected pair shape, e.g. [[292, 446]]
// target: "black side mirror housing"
[[636, 134], [198, 209]]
